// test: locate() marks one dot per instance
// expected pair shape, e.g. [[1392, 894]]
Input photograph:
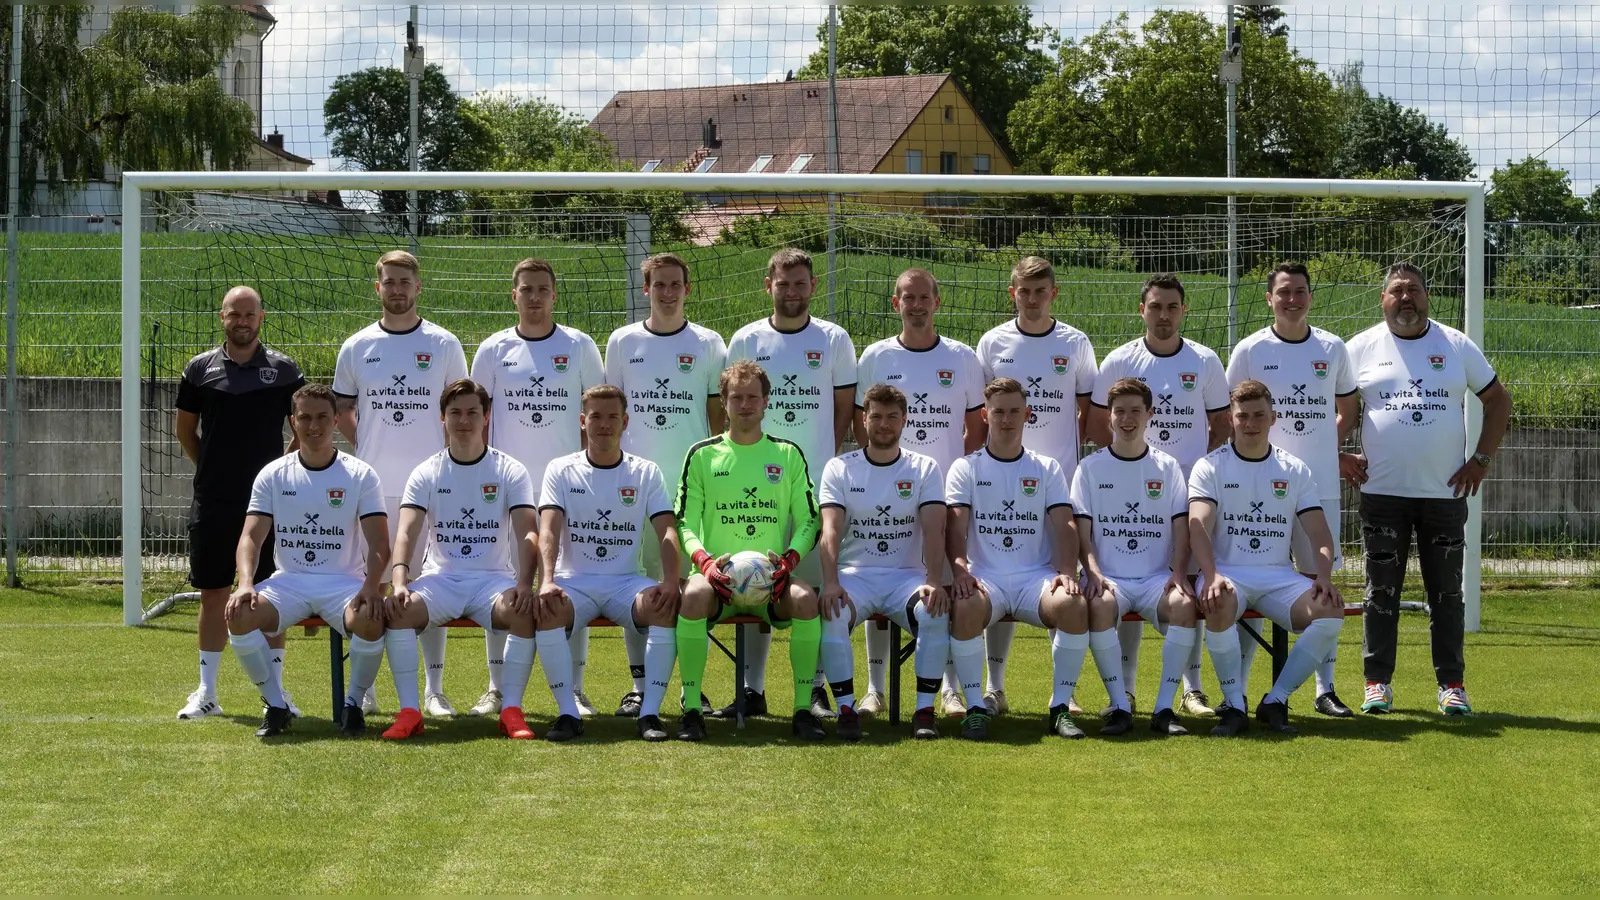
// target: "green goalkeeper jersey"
[[737, 497]]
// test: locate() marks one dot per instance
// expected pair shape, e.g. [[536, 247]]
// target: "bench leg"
[[894, 671], [336, 670], [1280, 650]]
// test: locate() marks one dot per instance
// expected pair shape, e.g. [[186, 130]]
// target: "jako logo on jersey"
[[559, 362], [1319, 368], [814, 359], [335, 497], [774, 474], [903, 488], [490, 492], [1188, 379], [424, 361], [685, 362], [945, 377], [628, 494], [1280, 489], [268, 374], [1030, 486], [1152, 489], [1059, 363], [1437, 362]]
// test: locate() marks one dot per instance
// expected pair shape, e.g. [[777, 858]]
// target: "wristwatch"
[[1482, 459]]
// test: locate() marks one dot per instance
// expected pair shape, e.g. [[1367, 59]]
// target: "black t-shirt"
[[241, 410]]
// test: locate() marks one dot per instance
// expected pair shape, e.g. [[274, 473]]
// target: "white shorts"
[[1305, 556], [1269, 590], [1016, 594], [465, 596], [604, 596], [1140, 595], [301, 595], [882, 592]]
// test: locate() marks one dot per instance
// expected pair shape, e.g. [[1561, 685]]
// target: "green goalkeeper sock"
[[805, 641], [692, 642]]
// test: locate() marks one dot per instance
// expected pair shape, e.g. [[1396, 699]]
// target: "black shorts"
[[212, 545]]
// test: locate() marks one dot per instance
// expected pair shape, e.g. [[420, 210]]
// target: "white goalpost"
[[949, 202]]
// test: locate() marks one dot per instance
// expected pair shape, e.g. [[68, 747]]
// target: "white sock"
[[1310, 649], [1325, 671], [518, 669], [1224, 647], [1107, 650], [952, 681], [494, 650], [933, 648], [1129, 634], [1247, 658], [1191, 677], [997, 646], [365, 658], [968, 656], [757, 647], [837, 660], [210, 660], [578, 649], [1174, 659], [877, 658], [556, 660], [432, 642], [633, 641], [275, 656], [660, 653], [251, 652], [401, 645], [1066, 657]]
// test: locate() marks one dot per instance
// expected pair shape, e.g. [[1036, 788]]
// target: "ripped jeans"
[[1387, 524]]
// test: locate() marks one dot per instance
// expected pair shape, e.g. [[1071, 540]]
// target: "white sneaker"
[[438, 706], [996, 702], [1195, 703], [952, 705], [585, 708], [294, 711], [488, 704], [369, 702], [201, 703], [871, 705]]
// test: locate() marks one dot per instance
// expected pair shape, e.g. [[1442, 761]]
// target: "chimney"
[[275, 140], [708, 135]]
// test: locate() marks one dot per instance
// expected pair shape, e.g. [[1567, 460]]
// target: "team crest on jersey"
[[629, 495], [1188, 379], [1030, 486], [814, 359], [490, 492], [1319, 368], [268, 374], [424, 361], [685, 362], [1152, 489], [903, 488], [1059, 363], [335, 497], [1280, 489], [774, 473], [559, 362], [1437, 362], [946, 377]]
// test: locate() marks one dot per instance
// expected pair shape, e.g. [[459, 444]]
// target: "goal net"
[[308, 241]]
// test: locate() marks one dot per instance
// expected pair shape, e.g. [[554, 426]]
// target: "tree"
[[1533, 191], [1376, 133], [994, 51], [533, 134], [51, 64], [1268, 20]]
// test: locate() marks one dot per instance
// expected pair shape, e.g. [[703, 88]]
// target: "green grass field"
[[101, 791]]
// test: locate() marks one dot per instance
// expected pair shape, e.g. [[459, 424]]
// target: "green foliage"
[[861, 226], [1076, 246], [1376, 134], [1541, 264], [55, 147], [1533, 191]]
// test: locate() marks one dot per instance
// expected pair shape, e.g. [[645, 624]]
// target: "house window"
[[706, 164], [650, 165], [800, 163], [947, 163], [913, 162], [980, 164], [761, 163], [949, 113]]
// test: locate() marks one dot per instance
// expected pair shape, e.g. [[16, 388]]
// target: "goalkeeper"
[[745, 490]]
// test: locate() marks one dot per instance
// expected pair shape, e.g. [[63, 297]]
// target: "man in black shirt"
[[232, 403]]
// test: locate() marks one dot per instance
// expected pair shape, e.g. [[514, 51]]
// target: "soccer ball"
[[751, 575]]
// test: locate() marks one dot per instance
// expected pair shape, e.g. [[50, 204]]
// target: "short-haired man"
[[1244, 499], [747, 490], [321, 504], [1414, 375], [232, 403], [1133, 538], [667, 367], [1314, 393], [389, 377], [1056, 364], [812, 367], [478, 506], [536, 371], [1191, 419], [1000, 499], [882, 549], [598, 508], [944, 420]]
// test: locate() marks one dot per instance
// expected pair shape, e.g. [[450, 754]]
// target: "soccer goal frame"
[[136, 184]]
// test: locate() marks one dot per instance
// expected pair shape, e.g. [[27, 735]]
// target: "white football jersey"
[[805, 367], [668, 379], [468, 506], [1186, 386], [316, 513], [609, 512], [882, 504], [1055, 368], [1257, 502], [1010, 501], [1132, 506], [396, 378], [1305, 378], [1413, 396], [942, 384], [537, 391]]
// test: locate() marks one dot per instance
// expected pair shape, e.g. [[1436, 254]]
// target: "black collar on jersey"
[[542, 337], [594, 465], [1151, 350], [407, 331], [1026, 333], [868, 458], [1116, 455], [257, 360], [1427, 326], [1262, 458], [937, 340], [678, 330], [1280, 337], [774, 325], [468, 462], [1001, 458], [301, 458]]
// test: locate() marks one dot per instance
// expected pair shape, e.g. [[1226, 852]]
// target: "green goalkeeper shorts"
[[766, 614]]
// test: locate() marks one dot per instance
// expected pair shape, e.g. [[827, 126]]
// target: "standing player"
[[478, 507], [1191, 419], [1000, 499], [944, 420], [389, 377], [1314, 394], [599, 507], [232, 404], [812, 367], [668, 368], [1244, 499], [882, 550], [1056, 365], [317, 500], [747, 490], [536, 370]]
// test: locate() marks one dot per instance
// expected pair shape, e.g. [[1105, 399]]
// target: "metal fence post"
[[636, 247], [414, 67], [833, 148], [13, 209]]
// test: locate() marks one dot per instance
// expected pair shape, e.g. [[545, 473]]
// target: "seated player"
[[1244, 499], [1000, 500], [598, 508], [477, 505], [1133, 535], [882, 552], [744, 490], [317, 500]]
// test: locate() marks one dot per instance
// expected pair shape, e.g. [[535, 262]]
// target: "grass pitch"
[[100, 790]]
